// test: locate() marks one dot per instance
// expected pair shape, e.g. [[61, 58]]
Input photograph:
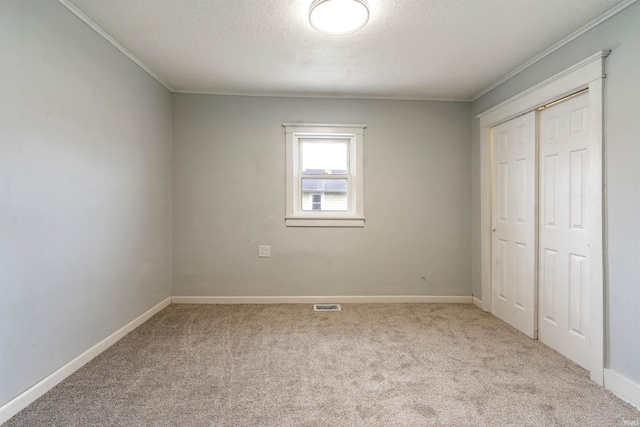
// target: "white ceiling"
[[415, 49]]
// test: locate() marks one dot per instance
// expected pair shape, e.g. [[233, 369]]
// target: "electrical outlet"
[[264, 251]]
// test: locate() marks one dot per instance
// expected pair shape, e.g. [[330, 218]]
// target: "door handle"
[[494, 230]]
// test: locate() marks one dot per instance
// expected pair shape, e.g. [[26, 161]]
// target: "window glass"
[[324, 194], [324, 156]]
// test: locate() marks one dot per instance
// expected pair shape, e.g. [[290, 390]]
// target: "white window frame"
[[354, 215]]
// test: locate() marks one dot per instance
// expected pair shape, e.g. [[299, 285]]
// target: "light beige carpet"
[[286, 365]]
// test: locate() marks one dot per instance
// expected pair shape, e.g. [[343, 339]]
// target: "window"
[[324, 177]]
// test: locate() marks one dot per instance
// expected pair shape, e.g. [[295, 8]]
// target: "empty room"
[[319, 212]]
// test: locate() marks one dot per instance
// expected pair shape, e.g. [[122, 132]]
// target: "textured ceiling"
[[420, 49]]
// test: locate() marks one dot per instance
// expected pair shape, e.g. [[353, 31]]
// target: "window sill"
[[324, 222]]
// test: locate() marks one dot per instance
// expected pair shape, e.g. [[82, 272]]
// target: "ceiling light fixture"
[[338, 17]]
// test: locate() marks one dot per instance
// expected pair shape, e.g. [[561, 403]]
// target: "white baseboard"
[[477, 303], [24, 399], [622, 387], [321, 299]]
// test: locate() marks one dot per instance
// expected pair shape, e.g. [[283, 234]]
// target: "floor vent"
[[326, 307]]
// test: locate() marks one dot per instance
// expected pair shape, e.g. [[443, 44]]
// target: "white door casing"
[[514, 222], [589, 73], [564, 230]]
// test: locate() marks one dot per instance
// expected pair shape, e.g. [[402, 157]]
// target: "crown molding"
[[95, 27], [608, 14], [324, 96], [611, 12]]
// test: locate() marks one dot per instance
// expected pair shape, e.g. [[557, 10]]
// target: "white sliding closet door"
[[564, 240], [514, 223]]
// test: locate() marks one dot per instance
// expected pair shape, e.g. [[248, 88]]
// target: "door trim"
[[590, 74]]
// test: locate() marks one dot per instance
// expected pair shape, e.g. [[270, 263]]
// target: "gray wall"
[[229, 197], [85, 146], [621, 34]]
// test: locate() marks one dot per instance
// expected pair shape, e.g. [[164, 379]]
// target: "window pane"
[[324, 194], [324, 156]]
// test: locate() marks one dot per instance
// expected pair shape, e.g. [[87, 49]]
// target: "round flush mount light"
[[338, 17]]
